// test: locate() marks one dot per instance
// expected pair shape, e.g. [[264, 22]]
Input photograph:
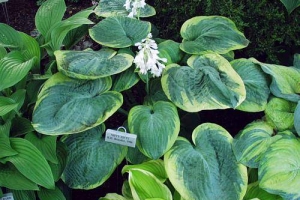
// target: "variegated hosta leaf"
[[144, 185], [291, 5], [156, 127], [135, 156], [156, 167], [125, 80], [279, 169], [119, 32], [280, 113], [67, 106], [207, 169], [256, 84], [285, 80], [297, 118], [92, 64], [209, 83], [110, 8], [156, 92], [211, 34], [250, 144], [91, 160], [170, 50], [255, 192]]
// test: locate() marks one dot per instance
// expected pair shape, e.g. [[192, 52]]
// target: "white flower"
[[132, 6], [147, 58]]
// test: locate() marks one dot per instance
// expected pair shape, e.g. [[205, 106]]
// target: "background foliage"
[[266, 24]]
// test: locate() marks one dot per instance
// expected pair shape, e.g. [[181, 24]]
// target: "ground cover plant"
[[56, 103]]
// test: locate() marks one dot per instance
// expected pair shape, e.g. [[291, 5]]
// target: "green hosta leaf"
[[144, 185], [290, 5], [31, 163], [285, 80], [23, 194], [92, 64], [31, 49], [91, 160], [170, 50], [9, 37], [11, 178], [57, 169], [46, 194], [46, 144], [109, 8], [156, 167], [280, 113], [5, 127], [125, 80], [76, 35], [6, 149], [279, 169], [120, 32], [13, 68], [113, 196], [3, 52], [67, 106], [135, 156], [211, 34], [58, 33], [250, 144], [20, 126], [254, 191], [297, 118], [156, 127], [7, 105], [209, 83], [208, 169], [256, 84], [48, 14]]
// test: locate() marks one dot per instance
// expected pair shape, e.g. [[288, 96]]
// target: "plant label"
[[118, 137], [7, 196]]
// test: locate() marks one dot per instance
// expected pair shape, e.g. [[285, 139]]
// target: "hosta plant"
[[154, 88]]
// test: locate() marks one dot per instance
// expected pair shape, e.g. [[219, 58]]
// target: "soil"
[[21, 13]]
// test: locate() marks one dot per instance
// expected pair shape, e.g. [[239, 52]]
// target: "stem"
[[147, 85], [122, 111]]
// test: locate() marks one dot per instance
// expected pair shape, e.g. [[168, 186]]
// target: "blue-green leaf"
[[92, 64], [156, 127], [211, 34], [67, 106], [91, 160], [209, 82], [206, 169], [120, 32], [279, 169]]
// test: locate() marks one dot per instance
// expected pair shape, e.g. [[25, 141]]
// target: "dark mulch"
[[21, 13]]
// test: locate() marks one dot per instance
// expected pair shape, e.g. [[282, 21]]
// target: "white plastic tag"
[[7, 196], [118, 137]]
